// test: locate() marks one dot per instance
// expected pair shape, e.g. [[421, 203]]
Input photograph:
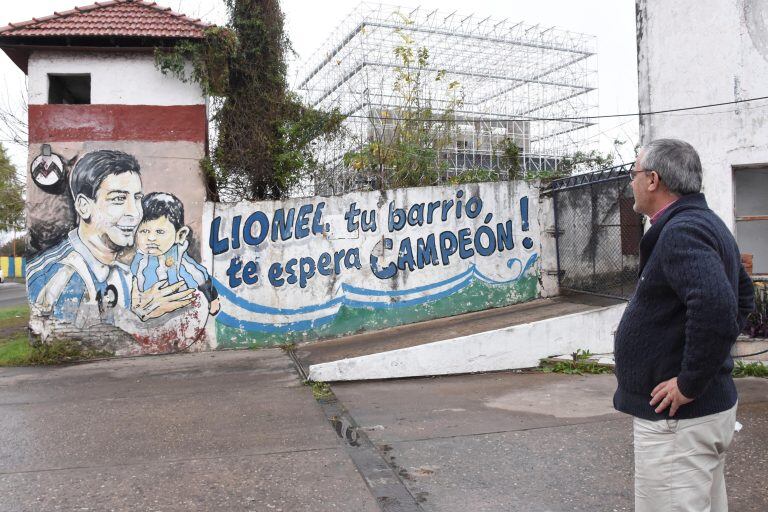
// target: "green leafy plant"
[[208, 60], [11, 195], [582, 161], [475, 175], [17, 351], [578, 365], [62, 351], [511, 158], [753, 369], [757, 321], [263, 148], [320, 390], [287, 346], [405, 148]]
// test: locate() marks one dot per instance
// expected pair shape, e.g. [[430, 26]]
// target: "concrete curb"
[[514, 347]]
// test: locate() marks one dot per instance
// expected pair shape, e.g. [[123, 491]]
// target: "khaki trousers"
[[679, 464]]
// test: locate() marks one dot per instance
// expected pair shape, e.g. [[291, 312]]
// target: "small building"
[[97, 101], [691, 54]]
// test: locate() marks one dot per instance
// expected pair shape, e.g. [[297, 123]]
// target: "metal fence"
[[597, 232]]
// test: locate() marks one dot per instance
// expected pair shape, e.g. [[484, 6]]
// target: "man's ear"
[[655, 182], [84, 207], [182, 234]]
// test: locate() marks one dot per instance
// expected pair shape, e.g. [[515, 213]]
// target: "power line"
[[579, 118]]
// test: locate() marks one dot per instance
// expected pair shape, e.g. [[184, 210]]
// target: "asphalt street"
[[12, 294], [237, 431]]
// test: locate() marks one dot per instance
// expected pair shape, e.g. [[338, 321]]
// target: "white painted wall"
[[264, 304], [122, 78], [697, 52], [519, 346]]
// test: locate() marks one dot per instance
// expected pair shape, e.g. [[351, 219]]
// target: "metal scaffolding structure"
[[530, 84]]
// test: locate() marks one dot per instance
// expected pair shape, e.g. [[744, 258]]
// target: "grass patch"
[[578, 365], [62, 351], [287, 346], [320, 390], [15, 350], [754, 369], [16, 316]]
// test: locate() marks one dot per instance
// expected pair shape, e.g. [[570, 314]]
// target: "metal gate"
[[597, 232]]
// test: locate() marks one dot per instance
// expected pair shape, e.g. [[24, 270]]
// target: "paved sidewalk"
[[225, 431], [236, 431], [531, 442]]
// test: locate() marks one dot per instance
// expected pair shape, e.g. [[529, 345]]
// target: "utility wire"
[[579, 118], [750, 355]]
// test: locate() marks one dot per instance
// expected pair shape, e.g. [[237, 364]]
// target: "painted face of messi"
[[116, 211]]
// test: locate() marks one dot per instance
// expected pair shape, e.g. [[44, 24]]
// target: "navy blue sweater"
[[691, 302]]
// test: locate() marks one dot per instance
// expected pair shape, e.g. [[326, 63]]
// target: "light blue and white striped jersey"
[[66, 276], [173, 266]]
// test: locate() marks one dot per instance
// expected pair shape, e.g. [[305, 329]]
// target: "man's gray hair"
[[677, 164]]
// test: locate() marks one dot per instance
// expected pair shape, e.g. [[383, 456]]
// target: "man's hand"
[[160, 299], [667, 394]]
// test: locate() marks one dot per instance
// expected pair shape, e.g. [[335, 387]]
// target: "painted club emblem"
[[48, 171]]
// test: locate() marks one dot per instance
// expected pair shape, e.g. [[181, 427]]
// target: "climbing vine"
[[263, 132]]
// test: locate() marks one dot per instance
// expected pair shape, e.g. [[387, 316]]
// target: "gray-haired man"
[[673, 344]]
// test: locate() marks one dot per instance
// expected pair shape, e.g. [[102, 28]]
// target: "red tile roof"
[[114, 18]]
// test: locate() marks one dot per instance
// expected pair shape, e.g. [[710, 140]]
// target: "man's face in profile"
[[116, 210]]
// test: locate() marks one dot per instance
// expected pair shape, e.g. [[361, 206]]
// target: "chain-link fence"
[[598, 232]]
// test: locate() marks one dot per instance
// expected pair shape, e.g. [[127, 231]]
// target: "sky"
[[309, 23]]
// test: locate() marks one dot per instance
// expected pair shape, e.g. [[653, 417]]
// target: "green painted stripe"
[[477, 296]]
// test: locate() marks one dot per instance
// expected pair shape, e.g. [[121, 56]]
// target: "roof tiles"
[[115, 18]]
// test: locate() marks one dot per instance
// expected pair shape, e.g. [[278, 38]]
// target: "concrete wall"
[[88, 262], [371, 260], [126, 255], [125, 78], [499, 349], [699, 52]]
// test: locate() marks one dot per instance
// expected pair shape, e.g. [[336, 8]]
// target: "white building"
[[704, 52]]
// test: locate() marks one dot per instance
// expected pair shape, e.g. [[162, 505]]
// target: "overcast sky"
[[309, 23]]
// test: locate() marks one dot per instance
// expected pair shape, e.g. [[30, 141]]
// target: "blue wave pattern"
[[459, 282]]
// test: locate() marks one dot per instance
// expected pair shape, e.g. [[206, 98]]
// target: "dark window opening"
[[750, 188], [69, 89]]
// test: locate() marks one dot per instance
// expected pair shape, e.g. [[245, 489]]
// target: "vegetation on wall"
[[404, 150], [582, 161], [263, 132], [264, 136]]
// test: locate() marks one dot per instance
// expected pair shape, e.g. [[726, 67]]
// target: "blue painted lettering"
[[217, 245], [302, 221], [426, 251], [465, 240], [448, 246], [250, 273]]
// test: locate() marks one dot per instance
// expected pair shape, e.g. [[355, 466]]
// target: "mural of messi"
[[86, 278]]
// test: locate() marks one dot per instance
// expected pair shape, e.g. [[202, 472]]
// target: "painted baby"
[[161, 249]]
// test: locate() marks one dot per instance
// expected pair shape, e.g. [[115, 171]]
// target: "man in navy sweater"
[[673, 344]]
